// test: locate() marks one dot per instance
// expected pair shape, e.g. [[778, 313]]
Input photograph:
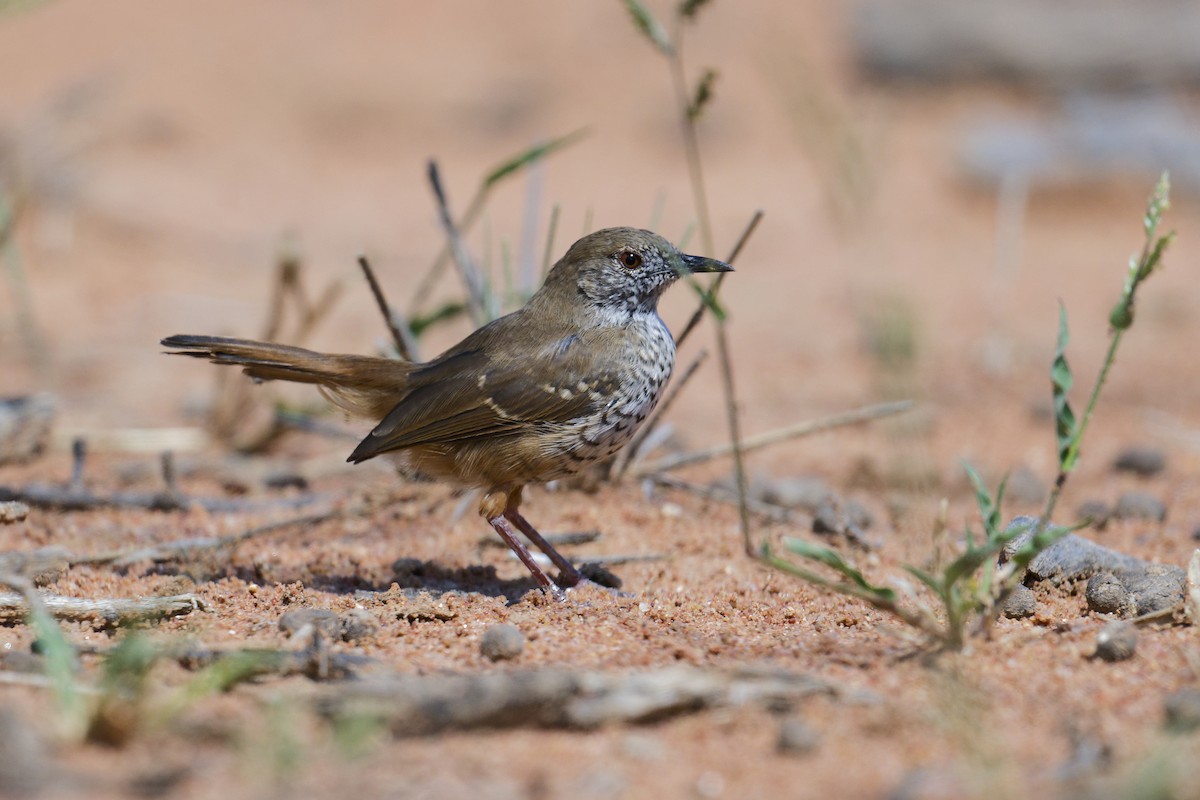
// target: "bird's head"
[[621, 271]]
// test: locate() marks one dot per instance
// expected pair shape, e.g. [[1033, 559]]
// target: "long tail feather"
[[362, 385]]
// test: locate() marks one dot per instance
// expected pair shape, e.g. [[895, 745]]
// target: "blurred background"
[[936, 175]]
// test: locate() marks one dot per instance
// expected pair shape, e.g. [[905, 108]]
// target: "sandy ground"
[[166, 155]]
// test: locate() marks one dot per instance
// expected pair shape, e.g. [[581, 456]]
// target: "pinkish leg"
[[501, 524], [569, 575]]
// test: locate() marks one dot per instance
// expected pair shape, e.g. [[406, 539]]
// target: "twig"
[[476, 300], [631, 452], [558, 697], [771, 511], [551, 230], [556, 539], [854, 417], [67, 498], [38, 681], [190, 547], [114, 610], [402, 336]]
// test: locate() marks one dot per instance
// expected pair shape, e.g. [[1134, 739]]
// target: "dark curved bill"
[[703, 264]]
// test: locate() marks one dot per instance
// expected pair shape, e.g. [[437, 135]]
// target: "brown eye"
[[630, 259]]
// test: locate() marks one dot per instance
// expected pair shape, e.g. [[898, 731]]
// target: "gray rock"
[[502, 642], [1107, 595], [357, 624], [25, 426], [13, 511], [1116, 641], [322, 619], [1157, 587], [797, 737], [1182, 710], [1196, 533], [1139, 505], [1141, 460], [1020, 604], [1096, 512], [802, 491]]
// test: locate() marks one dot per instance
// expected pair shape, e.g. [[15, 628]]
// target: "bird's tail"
[[362, 385]]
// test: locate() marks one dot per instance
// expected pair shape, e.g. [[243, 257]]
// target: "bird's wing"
[[470, 393]]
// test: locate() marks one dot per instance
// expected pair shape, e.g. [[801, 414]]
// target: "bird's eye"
[[630, 259]]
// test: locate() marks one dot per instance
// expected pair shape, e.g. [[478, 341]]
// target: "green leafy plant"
[[973, 585]]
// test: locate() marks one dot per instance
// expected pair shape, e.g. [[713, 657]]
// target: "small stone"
[[1139, 505], [285, 479], [1107, 595], [1182, 710], [322, 619], [857, 514], [502, 642], [1141, 460], [1021, 603], [1116, 641], [1024, 487], [805, 492], [600, 574], [828, 520], [1095, 512], [797, 737], [1196, 534], [1156, 587], [13, 511], [358, 623]]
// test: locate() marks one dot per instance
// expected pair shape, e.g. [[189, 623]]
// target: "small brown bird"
[[531, 397]]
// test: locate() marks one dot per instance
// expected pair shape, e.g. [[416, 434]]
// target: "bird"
[[534, 396]]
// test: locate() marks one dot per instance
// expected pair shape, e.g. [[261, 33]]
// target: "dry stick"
[[67, 498], [853, 417], [630, 453], [402, 336], [189, 547], [773, 512], [466, 268], [551, 231], [425, 287], [116, 609]]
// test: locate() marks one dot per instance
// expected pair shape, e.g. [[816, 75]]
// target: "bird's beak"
[[701, 264]]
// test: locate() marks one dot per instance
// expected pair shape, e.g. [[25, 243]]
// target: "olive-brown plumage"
[[530, 397]]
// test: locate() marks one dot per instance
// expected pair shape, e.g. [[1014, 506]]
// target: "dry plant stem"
[[631, 452], [68, 498], [190, 547], [476, 301], [118, 609], [854, 417], [735, 438], [425, 287], [551, 231], [402, 336], [773, 512]]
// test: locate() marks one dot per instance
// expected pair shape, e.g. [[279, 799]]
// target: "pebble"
[[358, 623], [502, 642], [1097, 512], [1021, 603], [322, 619], [1156, 587], [1116, 641], [804, 492], [1182, 710], [1196, 534], [797, 737], [600, 574], [1141, 460], [1107, 595], [13, 511], [1139, 505]]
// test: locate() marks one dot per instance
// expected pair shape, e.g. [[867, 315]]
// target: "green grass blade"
[[831, 559], [535, 153], [1065, 425], [650, 27]]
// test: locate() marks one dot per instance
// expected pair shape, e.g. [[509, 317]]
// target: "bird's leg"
[[569, 576], [494, 509]]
